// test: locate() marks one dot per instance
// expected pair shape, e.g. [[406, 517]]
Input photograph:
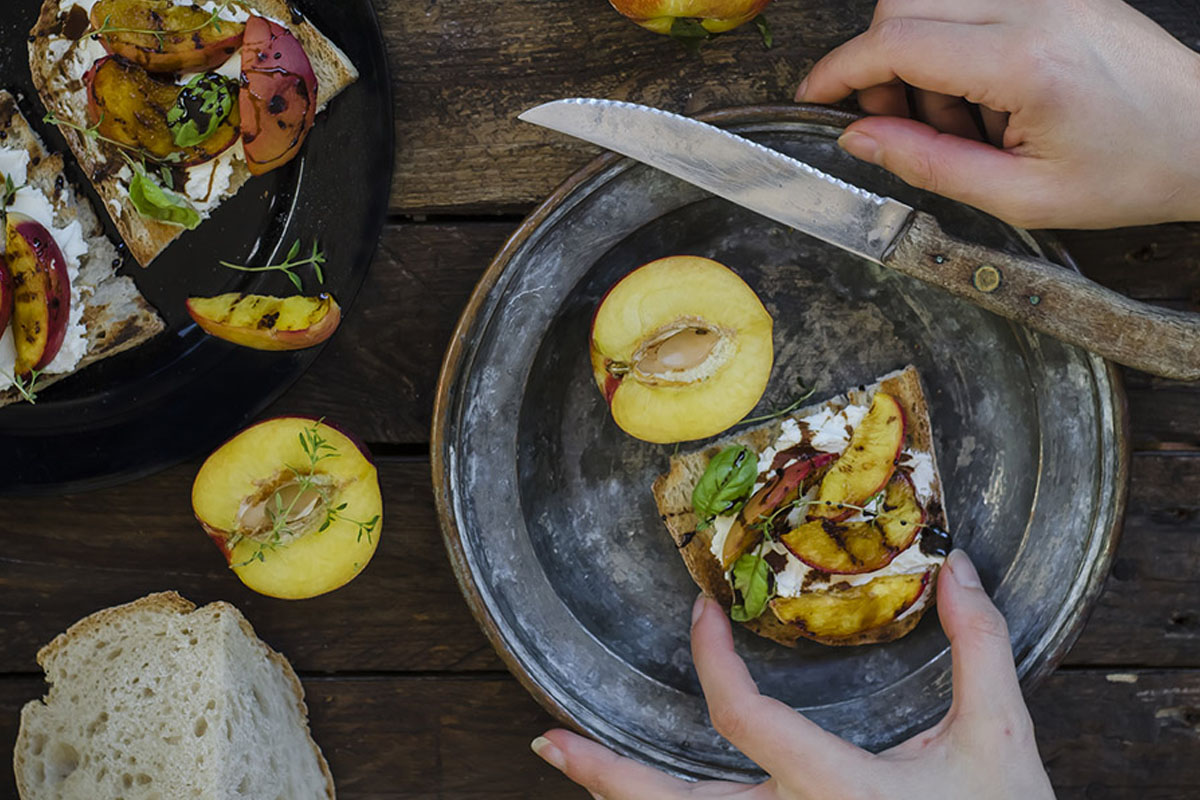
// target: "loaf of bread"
[[159, 700]]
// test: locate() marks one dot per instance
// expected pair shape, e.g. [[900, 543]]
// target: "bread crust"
[[115, 314], [165, 603], [673, 495], [146, 238]]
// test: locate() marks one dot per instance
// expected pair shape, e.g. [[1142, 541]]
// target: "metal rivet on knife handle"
[[986, 279]]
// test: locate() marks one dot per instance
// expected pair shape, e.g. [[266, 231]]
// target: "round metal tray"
[[546, 507]]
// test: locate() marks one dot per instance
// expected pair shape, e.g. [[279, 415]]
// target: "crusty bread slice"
[[159, 699], [66, 98], [673, 494], [116, 315]]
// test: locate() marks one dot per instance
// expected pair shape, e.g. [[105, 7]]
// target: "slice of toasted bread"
[[673, 494], [63, 94], [157, 698], [115, 314]]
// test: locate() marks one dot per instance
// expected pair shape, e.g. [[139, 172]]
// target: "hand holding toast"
[[983, 748], [1089, 108]]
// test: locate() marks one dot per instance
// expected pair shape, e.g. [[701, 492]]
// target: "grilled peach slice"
[[868, 462], [848, 548], [294, 505], [782, 488], [715, 16], [267, 323], [130, 106], [901, 516], [188, 39], [6, 295], [41, 300], [278, 99], [681, 349], [846, 610]]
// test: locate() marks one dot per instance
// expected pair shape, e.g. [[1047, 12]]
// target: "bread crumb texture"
[[159, 700]]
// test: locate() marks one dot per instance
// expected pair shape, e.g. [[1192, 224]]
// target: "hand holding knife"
[[1041, 295]]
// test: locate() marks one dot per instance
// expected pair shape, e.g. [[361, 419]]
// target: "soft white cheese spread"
[[207, 183], [232, 68], [30, 201], [829, 431]]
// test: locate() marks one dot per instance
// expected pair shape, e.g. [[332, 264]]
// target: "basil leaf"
[[750, 577], [155, 202], [726, 482], [200, 108]]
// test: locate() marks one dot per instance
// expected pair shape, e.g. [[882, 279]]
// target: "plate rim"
[[455, 359]]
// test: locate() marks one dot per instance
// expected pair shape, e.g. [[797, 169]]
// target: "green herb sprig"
[[783, 412], [725, 484], [751, 577], [27, 387], [317, 449], [290, 262]]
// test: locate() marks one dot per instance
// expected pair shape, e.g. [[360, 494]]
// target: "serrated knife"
[[1041, 295]]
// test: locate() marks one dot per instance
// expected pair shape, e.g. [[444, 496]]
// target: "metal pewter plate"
[[546, 505]]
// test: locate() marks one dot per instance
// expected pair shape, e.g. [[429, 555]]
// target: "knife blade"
[[1041, 295]]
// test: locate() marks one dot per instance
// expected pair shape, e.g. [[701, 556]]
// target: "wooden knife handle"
[[1053, 300]]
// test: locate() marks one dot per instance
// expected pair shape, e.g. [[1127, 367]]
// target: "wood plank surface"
[[405, 613], [463, 71], [1101, 734], [381, 368]]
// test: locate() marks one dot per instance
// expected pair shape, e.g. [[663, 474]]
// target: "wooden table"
[[407, 698]]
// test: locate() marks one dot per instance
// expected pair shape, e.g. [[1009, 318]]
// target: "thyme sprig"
[[214, 19], [27, 387], [290, 262], [806, 393], [317, 449], [93, 132]]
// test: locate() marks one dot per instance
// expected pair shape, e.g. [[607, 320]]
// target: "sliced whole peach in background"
[[251, 498], [681, 348], [715, 16], [41, 298], [278, 99], [267, 323], [188, 42], [868, 462], [847, 610]]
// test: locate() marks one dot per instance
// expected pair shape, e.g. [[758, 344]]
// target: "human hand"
[[982, 749], [1090, 108]]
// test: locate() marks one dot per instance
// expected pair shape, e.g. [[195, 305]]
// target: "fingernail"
[[698, 607], [860, 145], [962, 570], [546, 750], [802, 90]]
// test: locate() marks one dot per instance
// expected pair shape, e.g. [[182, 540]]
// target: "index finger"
[[951, 58], [772, 734]]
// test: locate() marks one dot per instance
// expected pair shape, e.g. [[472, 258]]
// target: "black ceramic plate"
[[183, 392], [546, 505]]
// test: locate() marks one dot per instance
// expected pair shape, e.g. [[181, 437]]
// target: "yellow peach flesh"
[[666, 380], [259, 459]]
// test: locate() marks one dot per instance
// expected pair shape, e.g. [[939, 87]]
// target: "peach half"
[[263, 322], [681, 348], [294, 505]]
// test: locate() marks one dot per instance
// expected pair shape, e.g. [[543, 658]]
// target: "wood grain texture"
[[463, 71], [1059, 302], [1101, 734], [67, 558], [381, 368]]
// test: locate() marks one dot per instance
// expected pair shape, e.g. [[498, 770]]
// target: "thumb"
[[985, 678], [972, 172]]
